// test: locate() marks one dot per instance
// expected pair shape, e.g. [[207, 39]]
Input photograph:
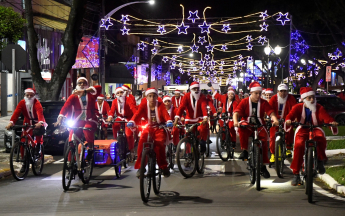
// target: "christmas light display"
[[209, 48], [193, 16], [124, 18], [141, 46], [204, 27], [124, 30], [226, 28], [194, 48], [155, 42], [264, 27], [182, 29], [283, 18], [161, 29], [106, 23], [224, 47]]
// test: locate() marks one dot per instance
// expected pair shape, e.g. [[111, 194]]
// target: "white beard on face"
[[121, 98], [196, 96], [263, 97], [81, 88], [29, 102], [281, 100], [309, 105]]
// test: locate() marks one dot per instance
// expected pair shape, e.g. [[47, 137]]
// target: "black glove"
[[209, 84]]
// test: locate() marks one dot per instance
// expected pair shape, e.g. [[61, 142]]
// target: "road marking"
[[59, 161], [55, 177]]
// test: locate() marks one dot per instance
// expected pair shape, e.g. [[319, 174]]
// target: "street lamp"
[[268, 50], [303, 61], [151, 2]]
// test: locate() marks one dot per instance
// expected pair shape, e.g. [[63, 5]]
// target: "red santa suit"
[[131, 98], [176, 102], [341, 95], [83, 115], [32, 115], [281, 111], [102, 110], [159, 116], [320, 116], [175, 131], [123, 112], [244, 109]]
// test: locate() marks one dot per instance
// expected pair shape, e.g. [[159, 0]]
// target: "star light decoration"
[[204, 27], [180, 49], [106, 23], [141, 46], [250, 58], [202, 40], [194, 48], [155, 42], [174, 57], [249, 46], [264, 26], [207, 56], [201, 62], [224, 47], [264, 15], [165, 59], [209, 48], [161, 29], [193, 16], [283, 18], [226, 28], [262, 40], [154, 51], [124, 30], [249, 38], [124, 19], [182, 29]]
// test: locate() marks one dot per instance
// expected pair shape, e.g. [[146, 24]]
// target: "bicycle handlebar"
[[26, 125], [296, 124]]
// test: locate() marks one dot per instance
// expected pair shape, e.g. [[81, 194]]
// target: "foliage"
[[338, 173], [336, 144]]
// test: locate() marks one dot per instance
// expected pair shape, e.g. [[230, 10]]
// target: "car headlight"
[[8, 133]]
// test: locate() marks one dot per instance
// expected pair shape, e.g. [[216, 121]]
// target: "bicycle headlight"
[[70, 123], [277, 138]]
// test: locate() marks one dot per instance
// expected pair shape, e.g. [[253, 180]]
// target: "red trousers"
[[176, 134], [231, 130], [159, 136], [203, 130], [301, 136], [89, 135], [244, 135], [39, 139], [128, 132], [288, 139]]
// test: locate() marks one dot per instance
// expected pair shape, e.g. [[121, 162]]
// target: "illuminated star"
[[124, 30], [106, 23], [264, 15], [141, 46], [240, 57], [193, 16], [262, 40], [181, 70], [250, 46], [180, 49], [194, 48], [207, 56], [250, 58], [124, 19], [283, 18], [249, 38], [264, 26], [161, 29], [174, 57], [172, 66], [224, 47], [204, 27], [209, 48], [191, 62], [182, 29], [155, 42], [222, 63], [201, 62], [154, 51], [165, 59], [203, 68], [220, 67], [173, 63], [202, 40], [226, 28]]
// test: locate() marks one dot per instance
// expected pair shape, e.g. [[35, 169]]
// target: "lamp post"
[[268, 50]]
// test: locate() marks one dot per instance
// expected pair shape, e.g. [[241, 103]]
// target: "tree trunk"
[[70, 41]]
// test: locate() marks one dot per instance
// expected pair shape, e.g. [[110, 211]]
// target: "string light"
[[226, 28], [264, 27], [193, 16], [124, 19], [283, 18], [106, 23]]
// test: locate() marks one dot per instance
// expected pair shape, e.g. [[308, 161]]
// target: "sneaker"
[[288, 153], [321, 167], [296, 180], [272, 159], [22, 170], [264, 172], [166, 172], [244, 155]]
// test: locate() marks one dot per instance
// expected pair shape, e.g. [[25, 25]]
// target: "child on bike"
[[102, 108]]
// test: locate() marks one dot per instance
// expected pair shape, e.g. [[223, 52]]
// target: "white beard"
[[282, 100], [81, 88], [121, 98], [263, 97], [309, 105], [196, 96], [29, 102]]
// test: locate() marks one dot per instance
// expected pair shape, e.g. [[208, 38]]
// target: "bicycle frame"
[[75, 141]]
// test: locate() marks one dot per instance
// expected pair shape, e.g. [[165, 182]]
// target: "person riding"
[[172, 112], [246, 95], [308, 112], [123, 109], [155, 113], [263, 94], [138, 97], [268, 94], [176, 99], [252, 111], [128, 92], [281, 104], [32, 110], [103, 108]]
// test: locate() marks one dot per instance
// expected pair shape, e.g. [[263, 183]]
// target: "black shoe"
[[264, 172], [22, 170], [296, 180], [202, 146], [321, 167], [166, 172], [244, 155]]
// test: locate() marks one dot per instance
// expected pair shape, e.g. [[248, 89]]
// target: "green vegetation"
[[338, 173], [341, 131], [336, 144]]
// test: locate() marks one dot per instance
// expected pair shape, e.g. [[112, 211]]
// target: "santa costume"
[[175, 131], [102, 110], [128, 92], [176, 101], [315, 115], [155, 117]]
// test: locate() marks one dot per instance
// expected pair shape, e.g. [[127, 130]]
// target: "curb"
[[332, 183]]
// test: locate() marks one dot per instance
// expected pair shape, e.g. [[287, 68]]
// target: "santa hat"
[[230, 87], [305, 92], [255, 86], [246, 94], [100, 97], [151, 90], [263, 91], [118, 89], [232, 91], [82, 78], [177, 91], [166, 98], [283, 87], [194, 85], [31, 90], [126, 88], [269, 91]]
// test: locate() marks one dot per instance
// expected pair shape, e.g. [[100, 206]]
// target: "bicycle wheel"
[[145, 176], [222, 146], [231, 151], [117, 159], [86, 168], [169, 155], [37, 165], [251, 164], [65, 146], [200, 159], [207, 153], [279, 157], [67, 171], [157, 177], [258, 166], [186, 159], [19, 165], [310, 175]]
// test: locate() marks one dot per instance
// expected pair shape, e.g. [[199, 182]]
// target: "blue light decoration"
[[172, 67], [204, 27], [106, 23], [174, 57], [249, 38], [220, 67], [298, 48], [262, 40], [124, 19], [180, 64], [124, 30], [224, 47], [161, 29], [249, 46], [165, 59], [180, 49], [226, 28], [194, 48], [193, 16], [130, 66], [201, 73], [283, 18], [209, 48], [201, 62], [203, 68], [222, 62], [202, 40], [180, 70], [166, 78], [112, 150], [191, 62], [207, 57], [320, 82], [240, 57], [213, 63], [264, 27], [155, 42], [154, 51], [141, 46], [178, 80], [173, 63], [264, 15], [182, 29]]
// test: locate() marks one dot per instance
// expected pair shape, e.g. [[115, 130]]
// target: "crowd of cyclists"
[[87, 105]]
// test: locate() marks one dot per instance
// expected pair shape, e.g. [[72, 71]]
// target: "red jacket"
[[73, 105], [290, 102], [224, 102], [128, 111], [162, 114], [36, 112], [193, 114], [176, 103], [103, 110]]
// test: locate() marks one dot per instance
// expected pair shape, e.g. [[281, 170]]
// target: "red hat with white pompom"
[[165, 98], [255, 86], [151, 90], [100, 97], [305, 92], [269, 91], [194, 85], [30, 90]]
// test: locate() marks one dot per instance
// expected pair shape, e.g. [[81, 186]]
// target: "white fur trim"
[[268, 92], [166, 98], [117, 90], [194, 86], [29, 90], [82, 78], [232, 91], [100, 98], [94, 89], [214, 93], [176, 116], [12, 122], [151, 91], [177, 92], [304, 95], [255, 89]]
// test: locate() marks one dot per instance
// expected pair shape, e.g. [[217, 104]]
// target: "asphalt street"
[[223, 189]]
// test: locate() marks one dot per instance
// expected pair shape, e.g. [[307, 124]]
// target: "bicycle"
[[255, 160], [310, 158], [23, 154], [225, 148], [280, 149], [100, 132], [188, 156], [74, 161]]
